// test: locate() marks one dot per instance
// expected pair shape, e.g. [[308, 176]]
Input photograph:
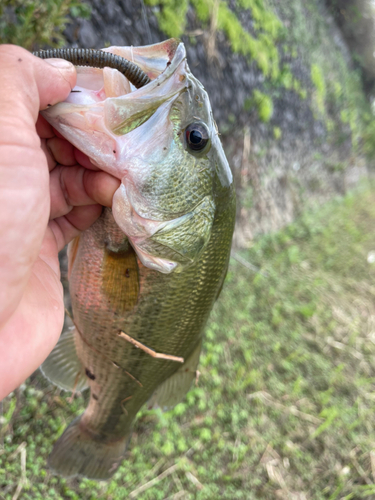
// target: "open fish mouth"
[[108, 106], [139, 136]]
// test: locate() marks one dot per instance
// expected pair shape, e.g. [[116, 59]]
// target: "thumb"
[[29, 84], [57, 81]]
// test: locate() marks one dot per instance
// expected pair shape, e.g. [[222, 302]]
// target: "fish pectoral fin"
[[173, 390], [62, 367], [78, 453]]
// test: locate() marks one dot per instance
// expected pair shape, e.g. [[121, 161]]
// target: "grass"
[[284, 407]]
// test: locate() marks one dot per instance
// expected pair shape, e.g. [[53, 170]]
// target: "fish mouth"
[[152, 59], [166, 66], [134, 135], [163, 63], [104, 108]]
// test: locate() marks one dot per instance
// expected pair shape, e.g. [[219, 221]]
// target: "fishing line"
[[99, 59]]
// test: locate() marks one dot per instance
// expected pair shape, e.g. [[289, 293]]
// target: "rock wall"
[[356, 19], [288, 103]]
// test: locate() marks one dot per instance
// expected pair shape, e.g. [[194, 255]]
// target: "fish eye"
[[197, 136]]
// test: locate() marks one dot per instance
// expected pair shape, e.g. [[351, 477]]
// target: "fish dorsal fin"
[[62, 367], [173, 390]]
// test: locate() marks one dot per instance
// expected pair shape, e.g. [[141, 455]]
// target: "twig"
[[13, 455], [68, 314], [1, 422], [235, 452], [211, 43], [372, 458], [359, 469], [177, 496], [127, 373], [247, 264], [305, 416], [106, 357], [177, 481], [122, 404], [194, 480], [154, 481], [245, 153], [267, 398], [71, 398], [149, 351], [155, 468], [343, 347], [269, 454], [194, 33], [271, 461], [22, 450], [275, 475]]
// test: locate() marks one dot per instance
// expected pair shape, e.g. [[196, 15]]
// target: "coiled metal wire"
[[99, 59]]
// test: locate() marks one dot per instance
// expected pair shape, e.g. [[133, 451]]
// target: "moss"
[[336, 167], [261, 49], [330, 124], [203, 9], [337, 96], [172, 16], [347, 98], [369, 138], [317, 78], [339, 101], [337, 90], [286, 78], [277, 133], [262, 103], [36, 23], [264, 18]]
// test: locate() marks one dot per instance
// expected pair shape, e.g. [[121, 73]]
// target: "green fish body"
[[143, 279]]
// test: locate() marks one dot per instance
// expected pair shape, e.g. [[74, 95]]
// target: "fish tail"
[[77, 453]]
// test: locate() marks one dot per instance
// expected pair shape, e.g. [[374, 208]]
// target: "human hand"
[[49, 193]]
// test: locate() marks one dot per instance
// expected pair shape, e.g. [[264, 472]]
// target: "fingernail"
[[59, 63]]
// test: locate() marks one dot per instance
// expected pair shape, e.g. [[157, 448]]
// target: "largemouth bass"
[[145, 276]]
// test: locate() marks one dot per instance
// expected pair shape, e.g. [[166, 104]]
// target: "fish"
[[145, 276]]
